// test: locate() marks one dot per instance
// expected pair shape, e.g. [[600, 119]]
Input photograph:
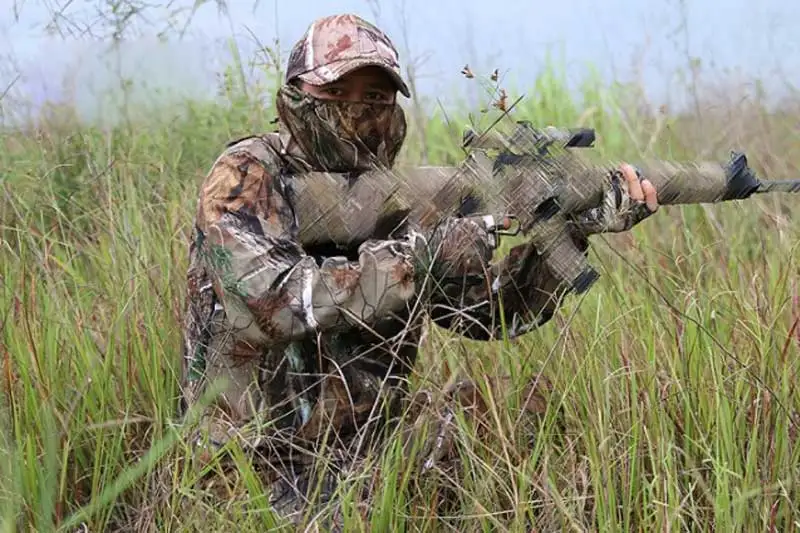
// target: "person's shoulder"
[[252, 156], [263, 147], [238, 177], [262, 150]]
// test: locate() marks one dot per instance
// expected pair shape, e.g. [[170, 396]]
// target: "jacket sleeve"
[[270, 288], [479, 298]]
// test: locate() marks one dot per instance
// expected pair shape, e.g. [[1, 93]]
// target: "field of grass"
[[674, 377]]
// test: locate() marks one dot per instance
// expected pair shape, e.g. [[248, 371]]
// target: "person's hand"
[[630, 199], [461, 247], [640, 188]]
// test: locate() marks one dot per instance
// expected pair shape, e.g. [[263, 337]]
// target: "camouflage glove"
[[457, 248], [629, 200]]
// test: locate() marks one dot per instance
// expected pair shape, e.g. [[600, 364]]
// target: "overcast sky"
[[622, 39]]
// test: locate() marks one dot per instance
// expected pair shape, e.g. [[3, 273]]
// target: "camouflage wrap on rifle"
[[531, 175]]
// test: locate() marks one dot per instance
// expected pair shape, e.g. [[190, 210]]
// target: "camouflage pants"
[[302, 483]]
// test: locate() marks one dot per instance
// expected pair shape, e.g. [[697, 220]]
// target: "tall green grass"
[[674, 404]]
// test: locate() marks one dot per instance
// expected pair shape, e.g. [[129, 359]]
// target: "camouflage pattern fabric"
[[429, 432], [339, 136], [317, 349], [335, 45], [316, 346]]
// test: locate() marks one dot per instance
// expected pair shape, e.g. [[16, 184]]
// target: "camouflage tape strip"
[[332, 209]]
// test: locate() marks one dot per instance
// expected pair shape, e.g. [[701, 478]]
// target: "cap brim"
[[333, 72]]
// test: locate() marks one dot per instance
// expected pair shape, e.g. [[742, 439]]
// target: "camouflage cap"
[[336, 45]]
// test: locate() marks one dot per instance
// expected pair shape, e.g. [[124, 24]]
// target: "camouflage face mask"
[[338, 136]]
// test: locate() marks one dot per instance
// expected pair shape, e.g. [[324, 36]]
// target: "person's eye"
[[333, 91], [376, 96]]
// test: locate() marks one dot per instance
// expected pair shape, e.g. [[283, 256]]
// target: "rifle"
[[531, 176]]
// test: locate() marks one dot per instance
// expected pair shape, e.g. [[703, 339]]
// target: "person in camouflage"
[[317, 346]]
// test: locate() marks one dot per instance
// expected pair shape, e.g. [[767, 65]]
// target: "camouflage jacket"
[[324, 335]]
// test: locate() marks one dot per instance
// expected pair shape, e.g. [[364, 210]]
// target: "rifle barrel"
[[779, 186]]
